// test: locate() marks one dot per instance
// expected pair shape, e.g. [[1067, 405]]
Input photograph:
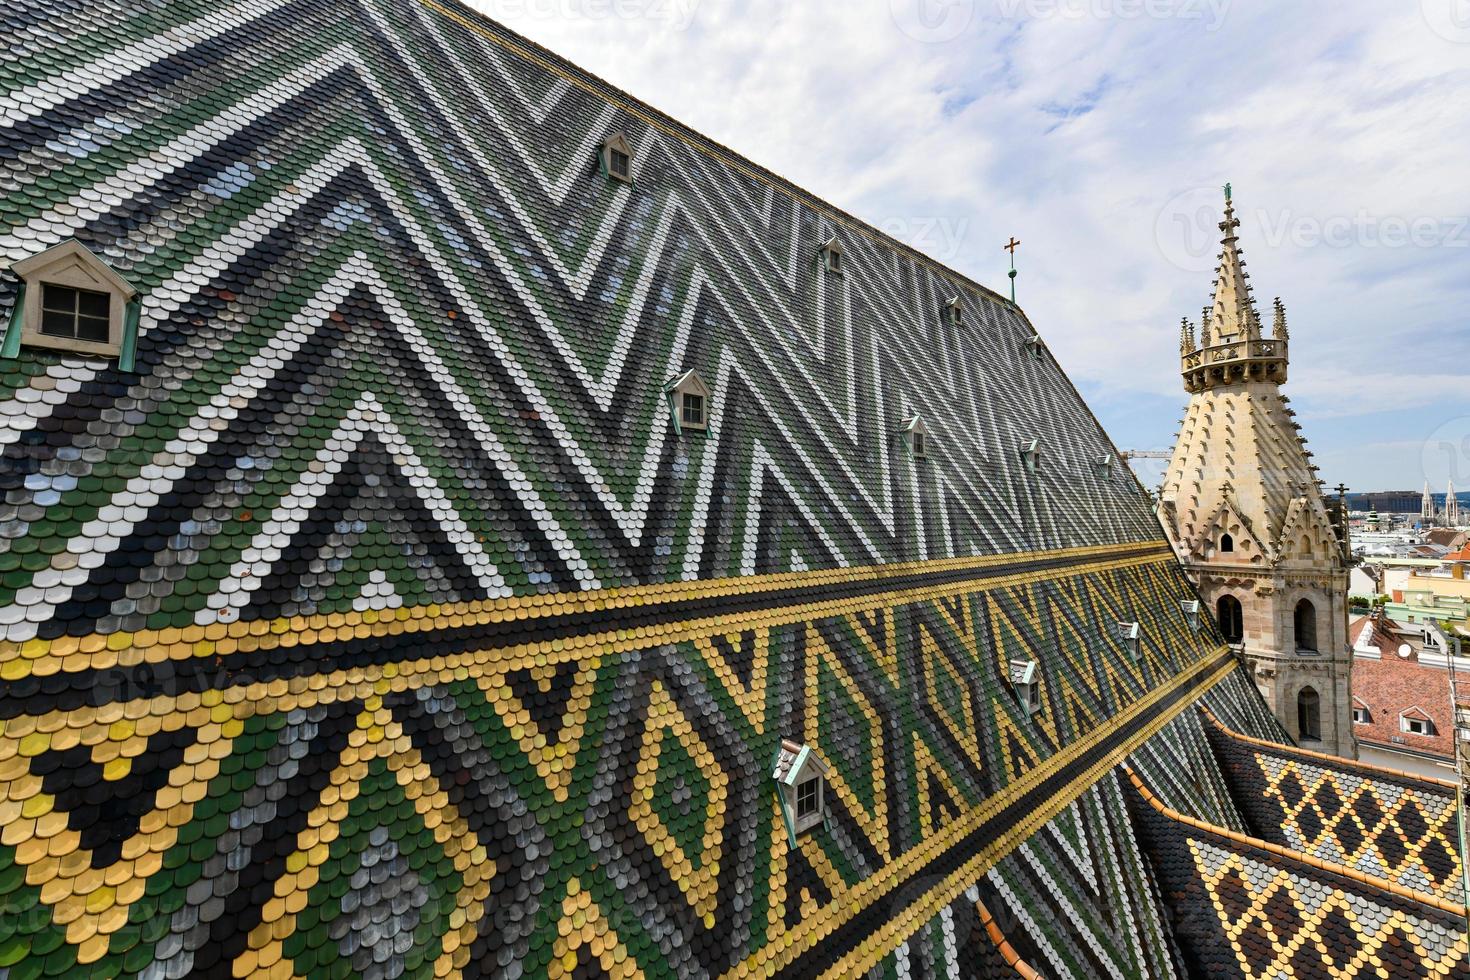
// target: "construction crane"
[[1147, 454]]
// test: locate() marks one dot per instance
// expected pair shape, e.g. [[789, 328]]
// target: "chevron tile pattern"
[[1075, 899], [457, 393], [379, 621], [1184, 774]]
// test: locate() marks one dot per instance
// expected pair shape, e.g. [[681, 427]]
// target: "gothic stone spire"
[[1231, 348], [1233, 310]]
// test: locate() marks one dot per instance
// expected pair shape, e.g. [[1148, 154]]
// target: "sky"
[[1099, 133]]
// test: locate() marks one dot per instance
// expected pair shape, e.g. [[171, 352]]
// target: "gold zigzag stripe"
[[122, 650], [876, 888]]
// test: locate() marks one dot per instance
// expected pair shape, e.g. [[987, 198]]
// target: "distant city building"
[[1437, 594], [1387, 501], [1401, 696], [1243, 508]]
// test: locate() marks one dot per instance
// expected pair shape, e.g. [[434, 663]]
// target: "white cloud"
[[1075, 131]]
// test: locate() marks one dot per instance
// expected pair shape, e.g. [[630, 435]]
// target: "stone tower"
[[1244, 510], [1426, 507]]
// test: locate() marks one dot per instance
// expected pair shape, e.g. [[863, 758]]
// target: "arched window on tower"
[[1308, 716], [1306, 626], [1227, 543], [1232, 621]]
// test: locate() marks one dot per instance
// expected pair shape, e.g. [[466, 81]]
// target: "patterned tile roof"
[[378, 620], [1389, 825], [1246, 908], [1394, 680]]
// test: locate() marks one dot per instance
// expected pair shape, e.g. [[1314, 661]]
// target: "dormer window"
[[617, 158], [1129, 633], [1415, 722], [1190, 607], [1031, 455], [830, 255], [915, 436], [954, 312], [801, 786], [1033, 346], [72, 301], [1025, 678], [1105, 466], [689, 403]]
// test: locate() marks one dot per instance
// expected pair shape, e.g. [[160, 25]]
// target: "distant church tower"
[[1426, 507], [1242, 506], [1451, 507]]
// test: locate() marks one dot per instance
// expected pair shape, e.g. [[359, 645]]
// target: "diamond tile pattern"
[[1394, 827], [1240, 911]]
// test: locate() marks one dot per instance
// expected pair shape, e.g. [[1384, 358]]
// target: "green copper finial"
[[1227, 192], [1010, 246]]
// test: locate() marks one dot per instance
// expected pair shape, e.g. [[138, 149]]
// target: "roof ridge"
[[1396, 775], [1331, 867], [1003, 945], [524, 47]]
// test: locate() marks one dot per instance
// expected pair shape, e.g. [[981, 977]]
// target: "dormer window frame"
[[829, 254], [689, 403], [1130, 633], [1191, 608], [1025, 678], [800, 777], [1034, 346], [1105, 466], [915, 436], [1031, 455], [954, 311], [616, 158], [1422, 725], [63, 284]]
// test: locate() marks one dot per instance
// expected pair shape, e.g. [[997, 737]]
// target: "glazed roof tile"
[[1386, 824], [379, 620], [1244, 907]]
